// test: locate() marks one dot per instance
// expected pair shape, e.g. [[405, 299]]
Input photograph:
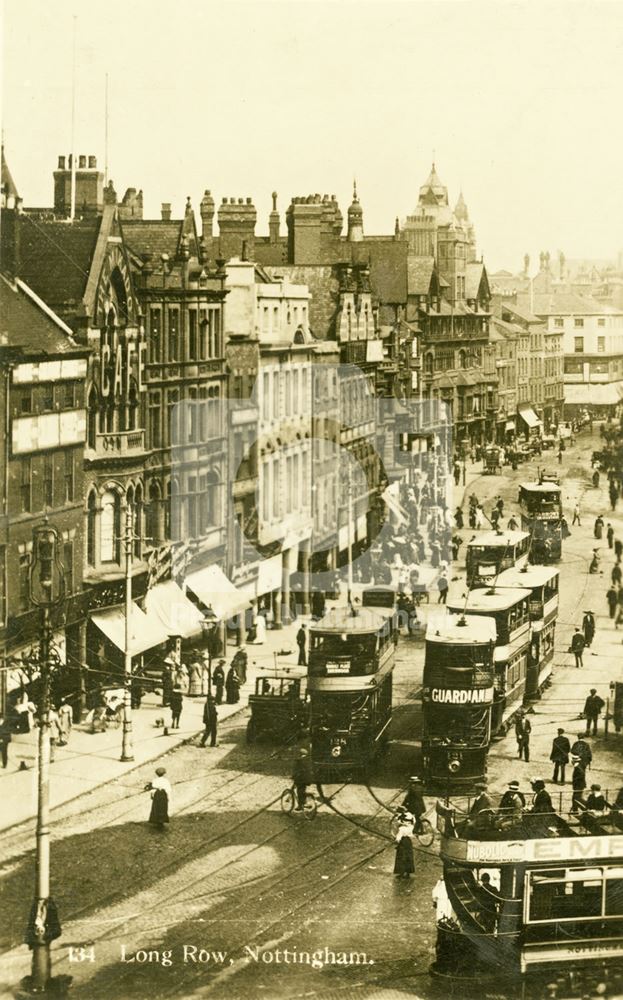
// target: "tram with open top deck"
[[492, 551], [349, 683], [541, 515], [457, 699], [510, 609], [543, 582], [533, 897]]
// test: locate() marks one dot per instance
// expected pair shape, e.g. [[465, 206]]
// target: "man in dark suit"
[[210, 722], [592, 710], [560, 756], [301, 641]]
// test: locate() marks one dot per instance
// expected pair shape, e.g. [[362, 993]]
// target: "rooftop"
[[55, 257], [27, 323], [343, 620], [488, 599], [531, 576], [448, 627], [499, 538]]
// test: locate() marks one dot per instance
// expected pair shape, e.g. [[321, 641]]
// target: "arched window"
[[175, 511], [110, 527], [428, 363], [138, 521], [132, 405], [462, 359], [92, 406], [91, 527], [213, 500], [167, 512], [153, 515], [118, 286]]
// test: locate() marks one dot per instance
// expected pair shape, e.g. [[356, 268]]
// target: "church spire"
[[355, 218]]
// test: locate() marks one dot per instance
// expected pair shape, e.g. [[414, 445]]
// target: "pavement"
[[563, 702], [233, 871], [93, 759]]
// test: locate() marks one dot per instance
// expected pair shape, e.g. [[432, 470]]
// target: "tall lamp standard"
[[47, 591], [127, 749]]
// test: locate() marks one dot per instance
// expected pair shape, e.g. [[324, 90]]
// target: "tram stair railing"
[[467, 903], [492, 921]]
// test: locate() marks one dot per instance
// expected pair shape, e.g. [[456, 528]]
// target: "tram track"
[[299, 872], [214, 796]]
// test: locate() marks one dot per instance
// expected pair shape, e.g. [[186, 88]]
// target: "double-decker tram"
[[541, 516], [457, 699], [351, 662], [510, 609], [543, 582], [533, 898], [492, 551]]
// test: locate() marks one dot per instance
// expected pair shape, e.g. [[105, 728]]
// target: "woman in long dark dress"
[[404, 864], [232, 686], [218, 680], [160, 789]]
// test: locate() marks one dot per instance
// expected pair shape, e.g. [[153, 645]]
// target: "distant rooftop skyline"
[[518, 110]]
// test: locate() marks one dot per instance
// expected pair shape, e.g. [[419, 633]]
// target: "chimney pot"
[[82, 162], [224, 201], [249, 202], [61, 163], [241, 201], [92, 162]]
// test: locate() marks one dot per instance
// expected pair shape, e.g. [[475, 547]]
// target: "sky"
[[520, 104]]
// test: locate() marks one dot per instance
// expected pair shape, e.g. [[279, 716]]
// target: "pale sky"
[[522, 104]]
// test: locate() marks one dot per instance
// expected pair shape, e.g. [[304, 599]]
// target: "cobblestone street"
[[246, 888]]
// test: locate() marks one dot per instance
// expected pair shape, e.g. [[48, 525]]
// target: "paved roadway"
[[233, 873]]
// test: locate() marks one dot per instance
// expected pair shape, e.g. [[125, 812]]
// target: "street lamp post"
[[47, 591], [127, 749], [350, 537]]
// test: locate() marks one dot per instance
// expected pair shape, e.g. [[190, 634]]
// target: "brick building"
[[43, 372], [280, 454], [81, 269]]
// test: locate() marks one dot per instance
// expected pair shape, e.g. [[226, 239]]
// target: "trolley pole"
[[127, 750], [41, 961], [47, 590], [350, 537]]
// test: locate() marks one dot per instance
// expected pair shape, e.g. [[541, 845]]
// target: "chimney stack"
[[206, 210], [89, 186], [165, 211]]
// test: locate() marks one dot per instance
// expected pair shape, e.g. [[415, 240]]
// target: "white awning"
[[527, 413], [176, 614], [270, 574], [218, 593], [509, 425], [145, 630]]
